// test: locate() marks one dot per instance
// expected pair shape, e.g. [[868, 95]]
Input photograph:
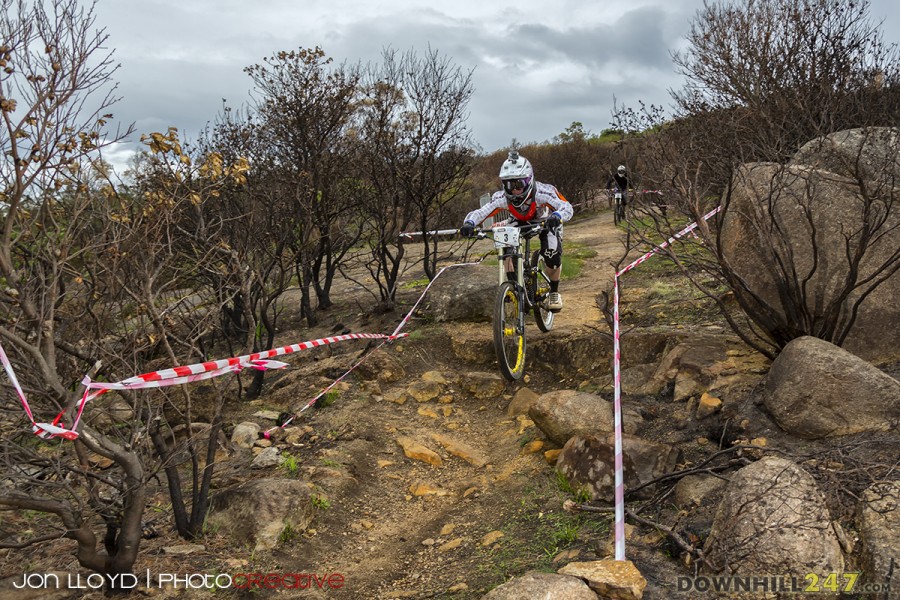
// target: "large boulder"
[[588, 462], [815, 389], [548, 586], [796, 234], [694, 490], [772, 519], [869, 153], [463, 294], [562, 414], [879, 534], [259, 511]]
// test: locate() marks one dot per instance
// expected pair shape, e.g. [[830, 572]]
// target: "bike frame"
[[618, 207], [512, 245]]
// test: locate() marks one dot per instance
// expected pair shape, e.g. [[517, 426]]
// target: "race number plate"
[[506, 237]]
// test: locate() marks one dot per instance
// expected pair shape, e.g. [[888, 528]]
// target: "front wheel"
[[542, 316], [509, 332]]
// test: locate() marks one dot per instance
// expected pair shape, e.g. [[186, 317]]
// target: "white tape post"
[[617, 388]]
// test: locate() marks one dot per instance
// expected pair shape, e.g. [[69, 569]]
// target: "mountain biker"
[[621, 182], [528, 200]]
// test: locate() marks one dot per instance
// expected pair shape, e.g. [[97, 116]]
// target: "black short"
[[551, 245], [551, 248]]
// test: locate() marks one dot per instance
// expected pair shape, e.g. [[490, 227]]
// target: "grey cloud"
[[511, 100], [181, 57]]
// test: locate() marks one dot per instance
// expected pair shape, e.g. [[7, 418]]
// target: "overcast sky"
[[538, 65]]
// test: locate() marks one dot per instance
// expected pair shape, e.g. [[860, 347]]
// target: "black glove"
[[467, 230], [553, 221]]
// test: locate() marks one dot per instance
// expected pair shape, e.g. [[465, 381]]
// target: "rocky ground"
[[427, 482]]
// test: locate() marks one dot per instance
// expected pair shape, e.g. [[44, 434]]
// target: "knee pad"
[[552, 257]]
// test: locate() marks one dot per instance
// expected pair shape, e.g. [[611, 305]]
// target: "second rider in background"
[[528, 200], [619, 181]]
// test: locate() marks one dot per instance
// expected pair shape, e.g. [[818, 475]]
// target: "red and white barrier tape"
[[173, 376], [678, 235], [208, 370], [395, 334], [43, 430], [617, 386], [617, 428]]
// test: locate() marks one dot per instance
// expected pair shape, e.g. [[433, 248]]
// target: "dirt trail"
[[492, 509], [599, 234], [396, 527], [390, 542]]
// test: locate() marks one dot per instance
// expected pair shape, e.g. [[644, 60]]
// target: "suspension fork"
[[520, 284], [522, 281], [517, 260], [527, 276]]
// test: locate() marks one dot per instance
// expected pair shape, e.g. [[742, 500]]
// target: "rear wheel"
[[542, 316], [509, 332]]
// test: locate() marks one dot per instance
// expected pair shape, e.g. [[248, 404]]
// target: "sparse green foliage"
[[329, 398], [414, 283], [526, 439], [538, 530], [290, 464], [288, 534], [610, 135], [573, 259], [565, 486], [321, 502], [565, 533]]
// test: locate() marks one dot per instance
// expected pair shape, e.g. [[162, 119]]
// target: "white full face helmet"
[[517, 177], [621, 169]]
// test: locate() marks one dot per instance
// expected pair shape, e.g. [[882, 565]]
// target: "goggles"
[[513, 185]]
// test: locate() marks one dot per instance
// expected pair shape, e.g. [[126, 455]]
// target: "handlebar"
[[479, 232], [529, 227], [411, 234]]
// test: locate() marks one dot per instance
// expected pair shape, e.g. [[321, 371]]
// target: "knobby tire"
[[542, 316], [509, 332]]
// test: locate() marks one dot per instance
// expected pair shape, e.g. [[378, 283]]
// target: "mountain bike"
[[515, 299], [619, 207]]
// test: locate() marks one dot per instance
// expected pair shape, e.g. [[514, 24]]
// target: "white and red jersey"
[[546, 199]]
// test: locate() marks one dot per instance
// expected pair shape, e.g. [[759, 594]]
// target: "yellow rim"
[[511, 331], [520, 354]]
